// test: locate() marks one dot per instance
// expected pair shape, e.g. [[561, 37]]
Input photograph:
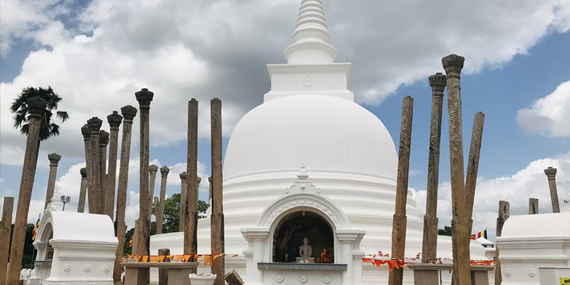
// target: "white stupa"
[[310, 154]]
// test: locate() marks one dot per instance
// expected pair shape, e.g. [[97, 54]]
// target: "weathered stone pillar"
[[437, 82], [217, 218], [129, 112], [82, 190], [504, 212], [36, 108], [191, 214], [5, 230], [473, 166], [210, 190], [103, 143], [88, 156], [452, 64], [53, 162], [533, 206], [183, 199], [114, 121], [551, 174], [144, 97], [152, 170], [95, 189], [400, 219], [160, 213], [163, 272]]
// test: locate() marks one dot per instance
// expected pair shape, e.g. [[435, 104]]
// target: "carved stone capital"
[[438, 82], [550, 172], [152, 168], [94, 125], [86, 132], [129, 112], [144, 97], [452, 64], [184, 176], [114, 120], [83, 172], [54, 159], [36, 107], [103, 138], [164, 171]]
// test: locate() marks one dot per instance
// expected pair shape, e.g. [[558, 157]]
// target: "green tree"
[[172, 212], [446, 231], [48, 128]]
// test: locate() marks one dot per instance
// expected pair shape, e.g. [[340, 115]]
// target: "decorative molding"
[[531, 273], [87, 268], [86, 257], [358, 252], [303, 278], [248, 252], [305, 203], [67, 268], [279, 278], [308, 81], [508, 273], [106, 269], [327, 279], [560, 258]]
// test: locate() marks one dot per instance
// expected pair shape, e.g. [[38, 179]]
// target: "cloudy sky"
[[96, 54]]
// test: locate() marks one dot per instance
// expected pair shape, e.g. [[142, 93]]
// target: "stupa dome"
[[321, 132]]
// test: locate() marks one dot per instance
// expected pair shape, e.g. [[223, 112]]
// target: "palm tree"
[[48, 128]]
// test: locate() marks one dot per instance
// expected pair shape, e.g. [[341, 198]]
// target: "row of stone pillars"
[[463, 188]]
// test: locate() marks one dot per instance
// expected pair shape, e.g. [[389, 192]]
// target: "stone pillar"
[[533, 206], [163, 272], [53, 162], [217, 218], [36, 108], [210, 190], [473, 166], [129, 112], [160, 213], [400, 219], [114, 121], [152, 170], [183, 203], [191, 227], [452, 64], [103, 143], [551, 174], [94, 171], [437, 82], [82, 190], [5, 230], [144, 97], [88, 156], [504, 212]]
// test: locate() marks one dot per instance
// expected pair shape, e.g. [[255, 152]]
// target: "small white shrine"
[[73, 248], [530, 242]]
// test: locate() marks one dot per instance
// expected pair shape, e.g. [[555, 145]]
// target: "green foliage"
[[20, 110], [172, 212], [446, 231]]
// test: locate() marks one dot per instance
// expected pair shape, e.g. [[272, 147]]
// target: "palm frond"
[[63, 116]]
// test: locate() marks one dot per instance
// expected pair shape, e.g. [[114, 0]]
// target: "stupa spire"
[[311, 37]]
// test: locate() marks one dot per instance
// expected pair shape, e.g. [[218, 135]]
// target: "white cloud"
[[530, 182], [549, 116]]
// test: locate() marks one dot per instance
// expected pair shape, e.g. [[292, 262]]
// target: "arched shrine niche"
[[294, 228]]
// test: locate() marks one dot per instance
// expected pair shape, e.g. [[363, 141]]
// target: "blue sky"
[[502, 84]]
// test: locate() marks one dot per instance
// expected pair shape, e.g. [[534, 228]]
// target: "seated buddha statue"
[[306, 252], [325, 257]]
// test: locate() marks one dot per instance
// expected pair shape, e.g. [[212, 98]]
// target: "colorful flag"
[[482, 234], [35, 229], [131, 241]]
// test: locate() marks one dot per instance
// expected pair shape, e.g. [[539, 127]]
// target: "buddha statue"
[[325, 257], [305, 252]]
